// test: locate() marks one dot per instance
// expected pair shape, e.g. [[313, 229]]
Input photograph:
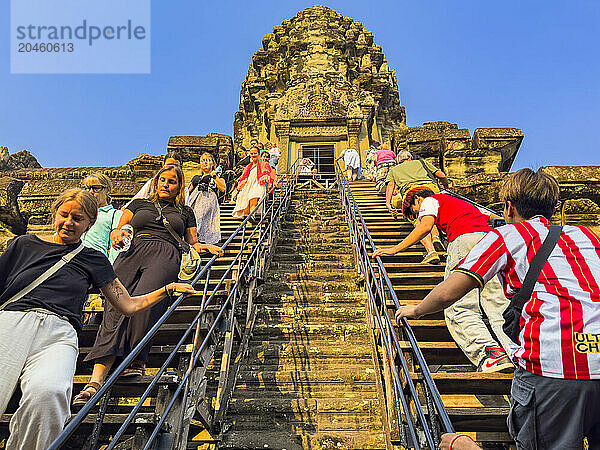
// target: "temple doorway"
[[322, 156]]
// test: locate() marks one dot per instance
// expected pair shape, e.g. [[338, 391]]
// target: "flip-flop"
[[85, 395], [134, 371]]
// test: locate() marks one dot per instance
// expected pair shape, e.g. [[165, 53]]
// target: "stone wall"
[[489, 150], [192, 147], [579, 193]]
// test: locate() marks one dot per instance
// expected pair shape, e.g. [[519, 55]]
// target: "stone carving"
[[318, 65]]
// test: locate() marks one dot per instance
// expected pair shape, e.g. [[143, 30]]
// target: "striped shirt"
[[560, 325]]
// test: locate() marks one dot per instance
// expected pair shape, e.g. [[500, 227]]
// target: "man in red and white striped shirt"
[[556, 388]]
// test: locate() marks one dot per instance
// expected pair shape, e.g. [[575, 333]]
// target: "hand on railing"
[[177, 289], [387, 251], [408, 311], [213, 249]]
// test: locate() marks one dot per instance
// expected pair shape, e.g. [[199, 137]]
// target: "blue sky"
[[533, 65]]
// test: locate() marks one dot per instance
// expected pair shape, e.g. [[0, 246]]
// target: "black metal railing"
[[247, 267], [416, 412]]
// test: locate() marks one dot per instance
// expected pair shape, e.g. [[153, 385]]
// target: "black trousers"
[[148, 265]]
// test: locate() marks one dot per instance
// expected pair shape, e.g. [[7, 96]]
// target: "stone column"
[[282, 129], [353, 132]]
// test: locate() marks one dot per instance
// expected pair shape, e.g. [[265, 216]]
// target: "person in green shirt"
[[408, 174], [98, 236]]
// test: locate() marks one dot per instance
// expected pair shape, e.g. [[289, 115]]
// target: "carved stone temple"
[[318, 83]]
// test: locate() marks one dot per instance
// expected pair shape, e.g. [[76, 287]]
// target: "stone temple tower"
[[318, 85]]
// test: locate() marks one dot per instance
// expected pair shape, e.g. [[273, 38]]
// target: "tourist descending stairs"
[[477, 403], [184, 407], [309, 380]]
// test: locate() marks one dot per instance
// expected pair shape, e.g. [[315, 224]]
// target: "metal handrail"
[[264, 231], [379, 288]]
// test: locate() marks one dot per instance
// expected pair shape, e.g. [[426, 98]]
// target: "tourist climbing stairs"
[[477, 403], [309, 380]]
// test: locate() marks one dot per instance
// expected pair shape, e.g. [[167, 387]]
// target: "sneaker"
[[438, 245], [431, 258], [496, 361]]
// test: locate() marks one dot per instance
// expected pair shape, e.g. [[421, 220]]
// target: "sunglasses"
[[95, 187]]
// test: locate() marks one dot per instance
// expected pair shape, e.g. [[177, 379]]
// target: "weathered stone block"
[[9, 209], [192, 147]]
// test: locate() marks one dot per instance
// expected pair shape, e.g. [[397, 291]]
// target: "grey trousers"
[[39, 351], [465, 317], [553, 413]]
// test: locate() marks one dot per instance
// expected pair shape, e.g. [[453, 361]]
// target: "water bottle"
[[128, 229]]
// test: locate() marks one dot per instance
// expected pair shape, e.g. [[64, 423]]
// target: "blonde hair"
[[180, 197], [101, 178], [86, 200], [531, 193]]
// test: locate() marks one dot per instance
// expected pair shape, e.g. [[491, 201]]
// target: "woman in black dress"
[[153, 260]]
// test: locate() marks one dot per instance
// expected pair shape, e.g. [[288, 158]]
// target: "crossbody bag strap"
[[429, 172], [184, 245], [537, 264], [43, 277]]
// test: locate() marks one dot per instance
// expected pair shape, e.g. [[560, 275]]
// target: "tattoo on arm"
[[117, 290]]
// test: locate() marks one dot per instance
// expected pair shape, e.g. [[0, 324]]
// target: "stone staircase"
[[476, 402], [309, 379]]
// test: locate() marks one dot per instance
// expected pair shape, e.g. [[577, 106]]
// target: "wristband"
[[459, 436]]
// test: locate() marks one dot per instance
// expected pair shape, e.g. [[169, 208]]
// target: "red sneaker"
[[496, 361]]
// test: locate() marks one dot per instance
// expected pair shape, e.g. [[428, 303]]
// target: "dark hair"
[[173, 155], [410, 198]]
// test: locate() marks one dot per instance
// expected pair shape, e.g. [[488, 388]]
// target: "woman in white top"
[[352, 162], [204, 201]]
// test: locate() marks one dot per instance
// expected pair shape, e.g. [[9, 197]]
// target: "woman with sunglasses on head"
[[41, 312], [152, 260], [98, 236]]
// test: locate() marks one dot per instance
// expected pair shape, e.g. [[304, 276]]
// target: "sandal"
[[136, 369], [88, 391]]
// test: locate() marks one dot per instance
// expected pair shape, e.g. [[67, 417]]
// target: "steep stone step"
[[312, 313], [301, 276], [270, 376], [277, 297], [314, 256], [283, 440], [310, 286], [341, 407], [290, 267], [323, 332]]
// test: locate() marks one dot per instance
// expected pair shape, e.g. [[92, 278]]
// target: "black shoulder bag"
[[512, 314], [190, 259]]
